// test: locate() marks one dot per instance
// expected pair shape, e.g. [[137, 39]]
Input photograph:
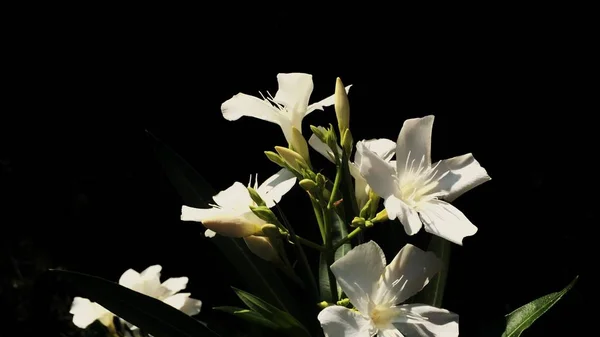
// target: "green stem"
[[349, 187], [329, 255], [311, 276], [336, 187], [319, 216], [348, 237], [310, 244]]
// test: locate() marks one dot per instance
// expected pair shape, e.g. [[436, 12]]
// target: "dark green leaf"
[[339, 231], [286, 322], [147, 313], [433, 293], [248, 315], [522, 318], [196, 192]]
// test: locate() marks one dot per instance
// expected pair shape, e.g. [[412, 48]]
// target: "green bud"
[[319, 132], [380, 217], [320, 180], [292, 158], [357, 222], [299, 145], [323, 305], [256, 197], [342, 106], [264, 213], [344, 302], [365, 212], [274, 157], [331, 141], [374, 199], [308, 185]]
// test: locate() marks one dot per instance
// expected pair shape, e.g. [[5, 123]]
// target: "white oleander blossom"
[[417, 192], [231, 215], [286, 109], [382, 147], [148, 283], [377, 292]]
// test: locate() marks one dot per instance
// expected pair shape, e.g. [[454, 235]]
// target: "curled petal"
[[274, 188], [245, 105]]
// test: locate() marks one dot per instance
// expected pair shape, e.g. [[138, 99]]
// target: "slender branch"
[[303, 259], [348, 237], [310, 244], [319, 216]]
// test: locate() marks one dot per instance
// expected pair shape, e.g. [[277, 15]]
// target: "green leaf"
[[433, 293], [248, 315], [259, 276], [286, 322], [153, 316], [339, 231], [522, 318]]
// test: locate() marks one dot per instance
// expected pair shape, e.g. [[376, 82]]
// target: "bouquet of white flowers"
[[351, 290]]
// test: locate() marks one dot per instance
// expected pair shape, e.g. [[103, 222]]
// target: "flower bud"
[[380, 217], [342, 106], [299, 145], [232, 226], [275, 158], [261, 247], [307, 184], [264, 213], [347, 142], [256, 197], [357, 222], [291, 158]]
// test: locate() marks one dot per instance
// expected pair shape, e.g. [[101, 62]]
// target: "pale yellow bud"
[[232, 226], [299, 144], [261, 247], [342, 106], [307, 184], [290, 157]]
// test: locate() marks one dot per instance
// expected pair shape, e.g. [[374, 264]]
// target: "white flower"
[[287, 108], [148, 283], [377, 291], [413, 187], [382, 147], [231, 214]]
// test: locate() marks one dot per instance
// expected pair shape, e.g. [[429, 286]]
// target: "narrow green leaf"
[[522, 318], [151, 315], [339, 231], [286, 322], [433, 293], [248, 315], [196, 192]]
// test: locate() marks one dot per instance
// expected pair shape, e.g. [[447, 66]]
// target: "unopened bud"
[[232, 226], [299, 145], [342, 106], [307, 184], [319, 132], [347, 142], [264, 213], [292, 158], [380, 217], [320, 180], [262, 247], [357, 222], [256, 197], [274, 157], [365, 212]]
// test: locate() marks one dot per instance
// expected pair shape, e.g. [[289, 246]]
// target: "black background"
[[81, 189]]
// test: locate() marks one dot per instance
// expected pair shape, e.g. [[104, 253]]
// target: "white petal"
[[274, 188], [322, 148], [409, 218], [86, 312], [262, 247], [130, 279], [235, 197], [324, 102], [379, 174], [437, 322], [407, 274], [245, 105], [414, 138], [358, 272], [338, 321], [444, 220], [184, 303], [209, 233], [294, 91], [390, 333], [150, 284], [234, 225], [465, 174], [198, 214], [361, 189], [175, 285], [382, 147]]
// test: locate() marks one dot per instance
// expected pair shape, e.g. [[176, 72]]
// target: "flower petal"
[[262, 247], [245, 105], [209, 233], [198, 214], [436, 323], [130, 278], [409, 218], [379, 174], [86, 312], [184, 303], [150, 282], [358, 272], [406, 275], [382, 147], [446, 221], [324, 102], [234, 225], [361, 188], [235, 197], [273, 189], [174, 285], [294, 91], [338, 321], [465, 173], [414, 138], [322, 148]]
